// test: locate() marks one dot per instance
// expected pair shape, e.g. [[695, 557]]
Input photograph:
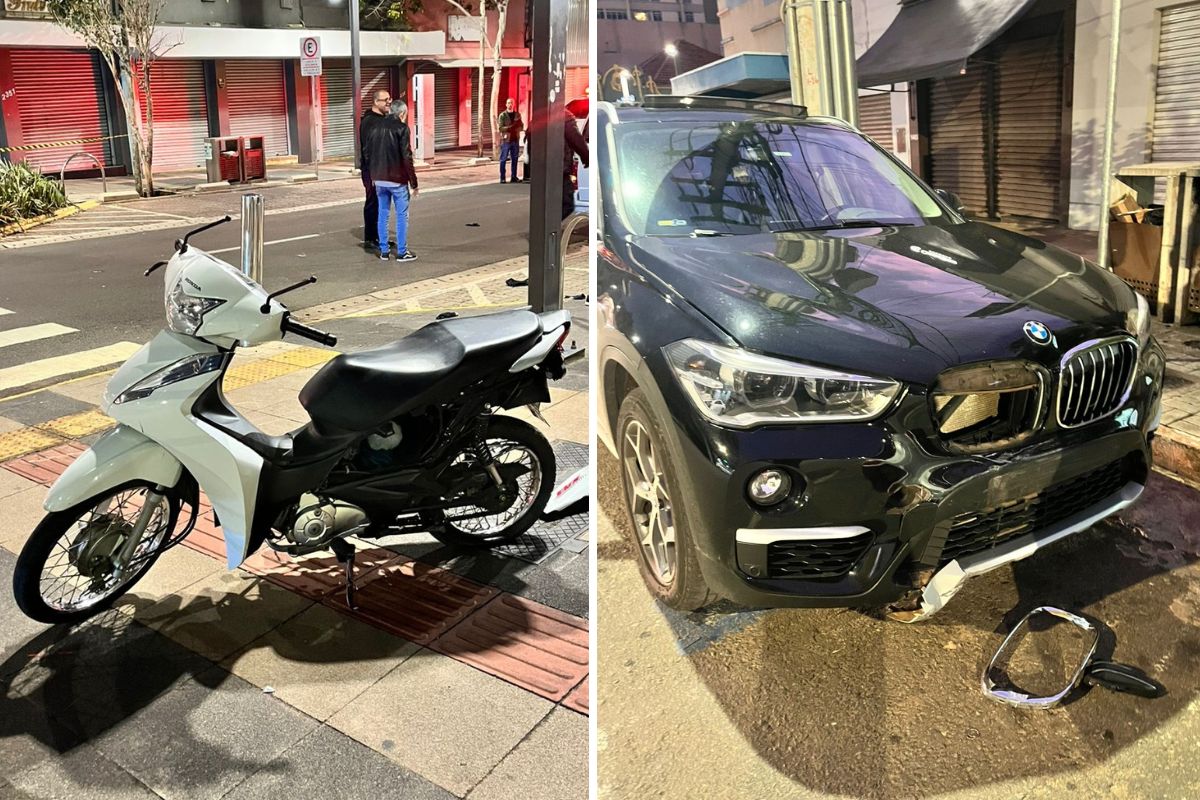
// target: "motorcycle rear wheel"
[[60, 576], [512, 442]]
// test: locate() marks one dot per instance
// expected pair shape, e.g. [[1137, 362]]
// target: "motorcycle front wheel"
[[526, 464], [65, 571]]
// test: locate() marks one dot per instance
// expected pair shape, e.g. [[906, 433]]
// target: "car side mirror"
[[951, 199]]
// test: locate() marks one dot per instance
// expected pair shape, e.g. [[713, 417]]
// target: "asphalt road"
[[96, 286], [837, 703]]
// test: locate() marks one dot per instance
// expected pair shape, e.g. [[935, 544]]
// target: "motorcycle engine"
[[318, 521]]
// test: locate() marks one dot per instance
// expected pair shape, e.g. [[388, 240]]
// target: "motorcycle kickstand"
[[344, 552]]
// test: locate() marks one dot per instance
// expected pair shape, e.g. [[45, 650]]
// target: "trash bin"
[[223, 159], [254, 161]]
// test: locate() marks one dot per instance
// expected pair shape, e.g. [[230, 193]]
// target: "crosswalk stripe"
[[32, 333], [4, 311], [48, 368]]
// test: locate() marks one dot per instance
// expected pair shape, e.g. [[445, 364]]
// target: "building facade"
[[233, 69], [629, 32]]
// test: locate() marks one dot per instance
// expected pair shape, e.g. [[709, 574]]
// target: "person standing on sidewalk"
[[575, 145], [511, 126], [370, 118], [391, 160]]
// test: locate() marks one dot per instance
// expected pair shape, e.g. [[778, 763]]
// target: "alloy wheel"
[[650, 504]]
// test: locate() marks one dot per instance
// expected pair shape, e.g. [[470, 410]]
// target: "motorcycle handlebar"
[[320, 337]]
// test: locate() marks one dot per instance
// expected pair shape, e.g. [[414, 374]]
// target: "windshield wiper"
[[849, 223]]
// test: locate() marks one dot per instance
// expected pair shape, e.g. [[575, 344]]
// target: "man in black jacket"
[[389, 151], [372, 116], [575, 145]]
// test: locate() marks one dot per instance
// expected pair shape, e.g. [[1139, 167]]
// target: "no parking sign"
[[310, 56]]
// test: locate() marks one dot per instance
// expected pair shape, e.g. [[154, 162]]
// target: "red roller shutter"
[[577, 83], [258, 103], [180, 114], [337, 112], [42, 79]]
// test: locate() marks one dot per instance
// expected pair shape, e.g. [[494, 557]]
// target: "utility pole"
[[355, 79], [549, 59], [822, 68], [1110, 113]]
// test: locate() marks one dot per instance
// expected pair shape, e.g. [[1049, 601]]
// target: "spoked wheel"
[[67, 571], [658, 511], [649, 503], [525, 463]]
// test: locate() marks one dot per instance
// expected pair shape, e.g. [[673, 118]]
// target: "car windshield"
[[753, 176]]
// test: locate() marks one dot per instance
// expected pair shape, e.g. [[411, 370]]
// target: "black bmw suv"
[[825, 386]]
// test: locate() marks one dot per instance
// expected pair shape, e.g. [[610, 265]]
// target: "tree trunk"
[[148, 135], [133, 120], [482, 70], [497, 47]]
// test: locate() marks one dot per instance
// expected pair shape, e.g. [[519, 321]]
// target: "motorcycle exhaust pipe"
[[252, 236]]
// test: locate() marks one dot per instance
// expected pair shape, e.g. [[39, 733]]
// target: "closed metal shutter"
[[1028, 159], [445, 108], [257, 103], [337, 114], [875, 118], [958, 155], [41, 79], [1176, 135], [577, 83], [491, 104], [180, 113]]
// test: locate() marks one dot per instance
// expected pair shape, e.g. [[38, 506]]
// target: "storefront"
[[337, 110], [256, 98], [180, 112]]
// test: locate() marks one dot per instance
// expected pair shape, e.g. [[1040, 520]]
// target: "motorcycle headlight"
[[185, 313], [189, 367], [739, 389], [1137, 321]]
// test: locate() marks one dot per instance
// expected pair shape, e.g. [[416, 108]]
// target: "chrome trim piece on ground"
[[1020, 699], [950, 578], [772, 535]]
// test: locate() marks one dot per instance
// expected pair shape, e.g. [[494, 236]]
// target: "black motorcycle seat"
[[360, 391]]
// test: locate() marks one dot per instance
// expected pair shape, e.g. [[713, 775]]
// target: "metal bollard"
[[252, 236]]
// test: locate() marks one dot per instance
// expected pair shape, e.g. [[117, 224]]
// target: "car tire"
[[686, 590]]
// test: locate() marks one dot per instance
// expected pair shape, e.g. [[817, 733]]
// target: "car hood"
[[905, 302]]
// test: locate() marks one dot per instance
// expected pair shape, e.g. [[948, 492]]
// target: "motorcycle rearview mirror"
[[181, 245], [266, 307], [154, 267]]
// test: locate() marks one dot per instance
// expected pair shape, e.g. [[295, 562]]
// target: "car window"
[[754, 175]]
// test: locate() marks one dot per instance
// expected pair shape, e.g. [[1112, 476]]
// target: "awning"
[[745, 75], [934, 39], [473, 63]]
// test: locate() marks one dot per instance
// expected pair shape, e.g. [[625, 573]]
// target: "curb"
[[1178, 453], [21, 226]]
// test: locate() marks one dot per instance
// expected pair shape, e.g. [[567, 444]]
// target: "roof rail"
[[726, 103]]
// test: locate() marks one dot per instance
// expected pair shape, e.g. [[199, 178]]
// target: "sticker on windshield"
[[782, 153], [672, 223]]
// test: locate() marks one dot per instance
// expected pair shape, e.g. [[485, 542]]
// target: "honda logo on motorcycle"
[[1037, 332]]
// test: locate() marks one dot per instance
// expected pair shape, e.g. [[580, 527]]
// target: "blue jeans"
[[509, 152], [388, 195]]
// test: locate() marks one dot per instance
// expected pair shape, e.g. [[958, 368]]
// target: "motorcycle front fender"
[[118, 457]]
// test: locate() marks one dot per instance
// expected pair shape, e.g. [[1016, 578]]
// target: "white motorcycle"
[[402, 438]]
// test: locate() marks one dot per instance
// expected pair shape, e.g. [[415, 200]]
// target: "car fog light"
[[769, 487]]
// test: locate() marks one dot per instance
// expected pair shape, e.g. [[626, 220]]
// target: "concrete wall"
[[1135, 97]]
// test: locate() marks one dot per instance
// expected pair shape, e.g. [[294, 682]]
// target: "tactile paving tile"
[[45, 466], [577, 700], [22, 441], [544, 537], [317, 575], [536, 647], [414, 600], [206, 537]]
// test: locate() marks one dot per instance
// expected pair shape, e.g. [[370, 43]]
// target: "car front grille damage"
[[989, 406], [816, 558], [976, 531], [1095, 381]]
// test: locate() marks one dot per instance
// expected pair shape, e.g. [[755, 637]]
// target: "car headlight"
[[189, 367], [739, 389], [185, 313], [1137, 321]]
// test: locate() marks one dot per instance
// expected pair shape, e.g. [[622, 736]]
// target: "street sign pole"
[[549, 58], [355, 78]]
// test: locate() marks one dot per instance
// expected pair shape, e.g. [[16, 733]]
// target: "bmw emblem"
[[1037, 332]]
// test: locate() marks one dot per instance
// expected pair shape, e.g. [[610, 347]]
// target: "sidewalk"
[[185, 181], [461, 674], [1177, 446]]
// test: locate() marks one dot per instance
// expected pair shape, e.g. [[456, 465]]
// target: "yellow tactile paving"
[[255, 372], [305, 357], [26, 440], [77, 425]]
